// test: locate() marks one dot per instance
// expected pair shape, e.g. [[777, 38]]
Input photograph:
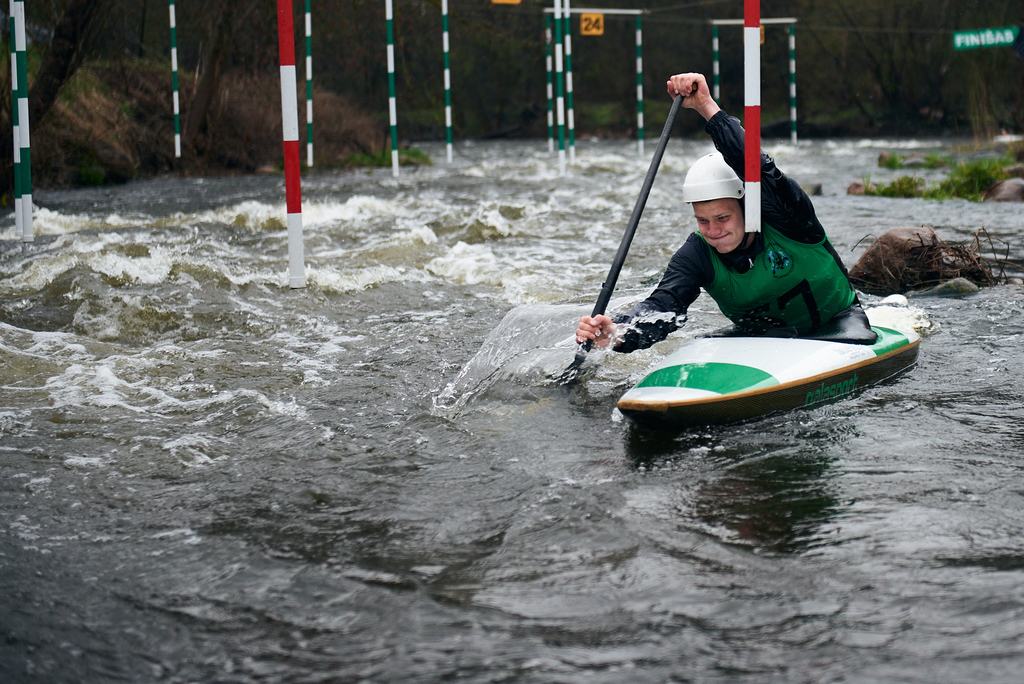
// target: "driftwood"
[[904, 259]]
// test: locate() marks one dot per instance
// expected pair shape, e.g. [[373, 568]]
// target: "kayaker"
[[785, 281]]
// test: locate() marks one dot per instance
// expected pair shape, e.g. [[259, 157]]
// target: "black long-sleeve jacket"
[[784, 205]]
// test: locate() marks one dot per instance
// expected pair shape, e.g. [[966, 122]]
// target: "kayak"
[[714, 380]]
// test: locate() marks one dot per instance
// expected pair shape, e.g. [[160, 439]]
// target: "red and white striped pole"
[[290, 129], [752, 113]]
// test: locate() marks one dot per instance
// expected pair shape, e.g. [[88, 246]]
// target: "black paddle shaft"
[[638, 209], [627, 238]]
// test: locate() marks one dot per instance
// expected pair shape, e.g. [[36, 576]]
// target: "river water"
[[207, 476]]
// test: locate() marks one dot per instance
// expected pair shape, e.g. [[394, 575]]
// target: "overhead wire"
[[660, 15]]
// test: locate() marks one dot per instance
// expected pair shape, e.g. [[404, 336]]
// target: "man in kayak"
[[785, 281]]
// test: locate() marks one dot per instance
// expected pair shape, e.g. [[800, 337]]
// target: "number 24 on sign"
[[591, 24]]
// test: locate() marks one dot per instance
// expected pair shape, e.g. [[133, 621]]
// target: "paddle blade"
[[572, 371]]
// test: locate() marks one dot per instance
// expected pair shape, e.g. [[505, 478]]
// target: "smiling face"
[[721, 223]]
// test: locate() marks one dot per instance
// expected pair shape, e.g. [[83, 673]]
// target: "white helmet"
[[711, 178]]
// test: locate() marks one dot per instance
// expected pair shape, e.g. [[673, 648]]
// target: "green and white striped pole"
[[15, 134], [23, 124], [639, 85], [175, 85], [389, 15], [715, 75], [447, 81], [569, 100], [792, 83], [559, 102], [309, 85], [550, 82]]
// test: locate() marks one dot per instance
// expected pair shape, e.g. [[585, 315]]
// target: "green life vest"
[[790, 284]]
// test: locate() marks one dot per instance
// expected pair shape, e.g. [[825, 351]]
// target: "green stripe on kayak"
[[721, 378], [888, 340]]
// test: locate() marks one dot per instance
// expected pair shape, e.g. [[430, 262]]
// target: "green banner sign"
[[985, 38]]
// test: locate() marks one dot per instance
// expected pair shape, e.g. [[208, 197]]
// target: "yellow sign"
[[505, 2], [592, 24], [762, 34]]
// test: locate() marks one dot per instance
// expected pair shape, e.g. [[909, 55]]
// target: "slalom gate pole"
[[569, 99], [447, 82], [559, 102], [290, 130], [752, 61], [792, 83], [716, 90], [639, 86], [550, 85], [19, 221], [389, 16], [309, 85], [752, 114], [175, 83], [25, 166]]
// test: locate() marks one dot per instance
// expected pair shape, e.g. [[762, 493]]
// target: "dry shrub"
[[244, 126], [245, 129], [87, 138], [340, 129], [113, 122], [904, 259]]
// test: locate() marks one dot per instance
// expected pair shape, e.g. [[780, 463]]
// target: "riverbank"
[[113, 123], [977, 175]]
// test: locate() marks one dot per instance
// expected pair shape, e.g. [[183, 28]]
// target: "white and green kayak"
[[713, 380]]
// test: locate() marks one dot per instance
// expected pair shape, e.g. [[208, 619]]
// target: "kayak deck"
[[731, 379]]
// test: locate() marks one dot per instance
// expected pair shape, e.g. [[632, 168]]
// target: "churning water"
[[207, 476]]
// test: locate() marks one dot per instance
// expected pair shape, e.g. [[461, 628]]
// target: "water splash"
[[529, 347], [896, 312], [533, 346]]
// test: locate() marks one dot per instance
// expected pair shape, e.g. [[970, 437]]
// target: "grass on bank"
[[967, 180], [933, 160]]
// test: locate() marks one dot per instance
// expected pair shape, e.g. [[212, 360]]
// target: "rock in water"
[[954, 287], [813, 189], [894, 300], [1009, 190]]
